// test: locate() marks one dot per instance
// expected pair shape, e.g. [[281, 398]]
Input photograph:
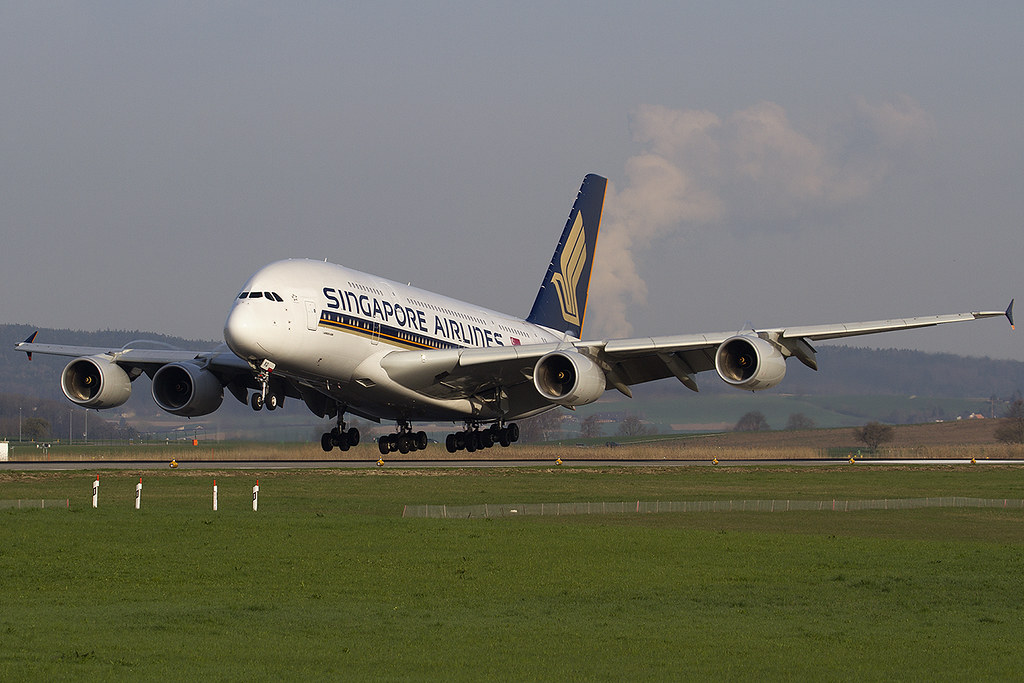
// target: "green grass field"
[[328, 580]]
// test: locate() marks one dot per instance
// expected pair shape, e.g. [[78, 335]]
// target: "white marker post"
[[256, 495], [96, 492], [214, 495], [138, 494]]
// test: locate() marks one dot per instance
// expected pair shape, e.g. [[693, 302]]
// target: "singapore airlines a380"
[[346, 342]]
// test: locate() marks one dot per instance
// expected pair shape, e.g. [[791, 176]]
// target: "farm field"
[[328, 579]]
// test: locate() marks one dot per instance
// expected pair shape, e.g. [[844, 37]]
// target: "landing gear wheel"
[[421, 440], [327, 442], [383, 445], [513, 432], [451, 443], [257, 401], [272, 401], [353, 437]]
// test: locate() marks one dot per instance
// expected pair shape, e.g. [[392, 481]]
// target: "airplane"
[[346, 342]]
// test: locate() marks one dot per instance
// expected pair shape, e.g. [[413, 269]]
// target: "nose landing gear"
[[265, 396], [271, 401]]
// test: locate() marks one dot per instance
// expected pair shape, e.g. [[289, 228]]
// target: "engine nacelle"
[[749, 362], [186, 389], [568, 378], [95, 382]]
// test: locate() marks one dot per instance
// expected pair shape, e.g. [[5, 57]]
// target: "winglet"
[[32, 338], [1009, 314]]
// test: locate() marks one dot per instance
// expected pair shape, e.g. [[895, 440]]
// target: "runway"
[[78, 465]]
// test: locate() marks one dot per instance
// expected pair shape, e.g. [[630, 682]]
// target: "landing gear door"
[[312, 315]]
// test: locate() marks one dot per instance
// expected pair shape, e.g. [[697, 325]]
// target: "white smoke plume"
[[751, 171]]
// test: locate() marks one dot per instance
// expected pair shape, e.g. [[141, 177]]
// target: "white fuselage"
[[328, 327]]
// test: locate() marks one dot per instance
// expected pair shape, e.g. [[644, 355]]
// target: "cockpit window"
[[272, 296]]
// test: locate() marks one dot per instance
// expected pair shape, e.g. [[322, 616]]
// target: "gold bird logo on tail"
[[574, 257]]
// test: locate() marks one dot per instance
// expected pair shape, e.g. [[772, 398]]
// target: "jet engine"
[[95, 382], [568, 378], [187, 390], [749, 362]]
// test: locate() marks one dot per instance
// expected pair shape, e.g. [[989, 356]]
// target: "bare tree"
[[1011, 427], [754, 421], [35, 428], [873, 434], [540, 427], [800, 421], [590, 428], [633, 425]]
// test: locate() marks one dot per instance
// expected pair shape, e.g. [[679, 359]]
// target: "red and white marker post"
[[138, 494], [256, 495], [214, 495], [96, 492]]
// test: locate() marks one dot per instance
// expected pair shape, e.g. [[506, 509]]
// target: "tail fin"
[[561, 303]]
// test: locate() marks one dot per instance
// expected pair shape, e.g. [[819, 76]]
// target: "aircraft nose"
[[242, 331]]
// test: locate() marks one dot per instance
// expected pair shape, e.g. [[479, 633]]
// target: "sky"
[[770, 164]]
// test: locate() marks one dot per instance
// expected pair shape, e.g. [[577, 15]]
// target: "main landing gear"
[[404, 441], [475, 439], [339, 437]]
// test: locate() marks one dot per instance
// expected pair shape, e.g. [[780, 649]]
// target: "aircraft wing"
[[648, 358], [452, 373], [219, 360]]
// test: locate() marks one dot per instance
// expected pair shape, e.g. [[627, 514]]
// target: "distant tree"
[[874, 434], [591, 427], [754, 421], [35, 429], [1011, 427], [540, 427], [800, 421], [631, 425]]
